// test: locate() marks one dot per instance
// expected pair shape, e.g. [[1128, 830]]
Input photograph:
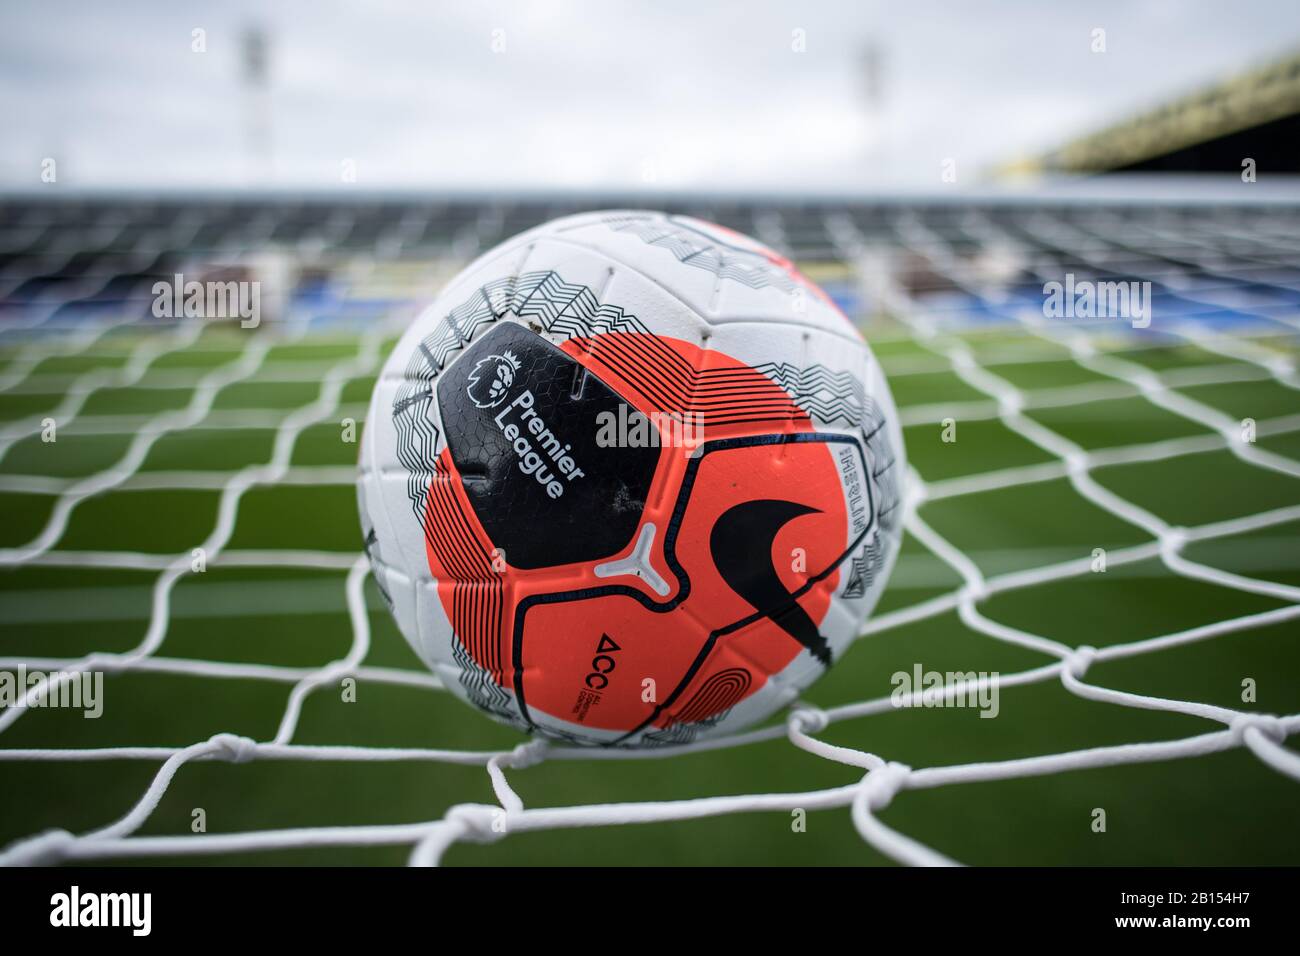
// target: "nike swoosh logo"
[[741, 545]]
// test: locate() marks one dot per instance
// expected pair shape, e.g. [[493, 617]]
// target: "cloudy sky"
[[582, 94]]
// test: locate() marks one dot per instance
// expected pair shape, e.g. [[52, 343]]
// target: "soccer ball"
[[630, 480]]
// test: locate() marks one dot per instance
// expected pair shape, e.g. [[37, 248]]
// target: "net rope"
[[1263, 735]]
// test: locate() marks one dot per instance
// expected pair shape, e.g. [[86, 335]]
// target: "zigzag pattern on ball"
[[483, 691], [673, 736], [883, 465], [557, 733], [772, 392], [417, 447], [693, 248], [862, 573], [716, 396], [829, 397]]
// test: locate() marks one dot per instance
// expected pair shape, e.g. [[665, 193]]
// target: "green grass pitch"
[[1228, 808]]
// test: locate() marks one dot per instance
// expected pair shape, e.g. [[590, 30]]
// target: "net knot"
[[1268, 725], [233, 747], [808, 719], [527, 755], [1080, 659], [883, 783], [104, 663], [478, 822], [44, 849]]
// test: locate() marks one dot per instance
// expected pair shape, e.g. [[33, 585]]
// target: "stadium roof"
[[1226, 111]]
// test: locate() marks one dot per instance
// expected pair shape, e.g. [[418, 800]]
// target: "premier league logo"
[[491, 379]]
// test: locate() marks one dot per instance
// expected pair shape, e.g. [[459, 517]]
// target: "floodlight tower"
[[871, 61], [255, 78]]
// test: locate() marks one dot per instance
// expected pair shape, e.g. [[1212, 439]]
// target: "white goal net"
[[942, 345]]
